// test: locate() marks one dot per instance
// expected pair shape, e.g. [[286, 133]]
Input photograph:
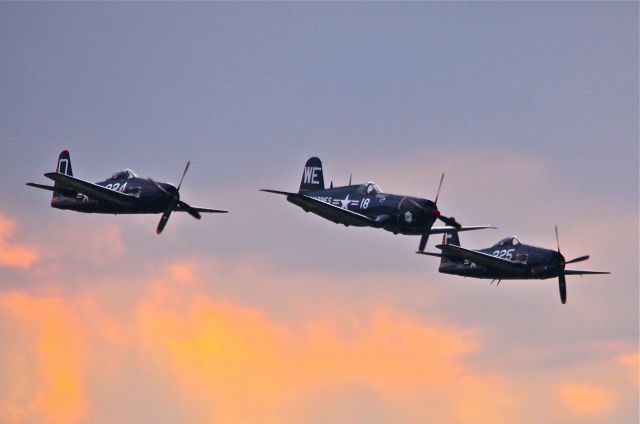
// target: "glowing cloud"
[[586, 399], [56, 394], [14, 255]]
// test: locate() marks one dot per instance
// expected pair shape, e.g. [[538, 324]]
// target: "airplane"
[[508, 259], [365, 205], [123, 193]]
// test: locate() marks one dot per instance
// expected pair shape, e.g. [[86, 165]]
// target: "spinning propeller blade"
[[191, 211], [439, 187], [562, 284], [423, 242], [165, 216], [579, 259], [186, 168]]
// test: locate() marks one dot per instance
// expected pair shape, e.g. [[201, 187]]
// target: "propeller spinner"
[[175, 201]]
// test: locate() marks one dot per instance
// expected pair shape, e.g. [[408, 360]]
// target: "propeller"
[[175, 201], [450, 221], [580, 259], [439, 187], [562, 283]]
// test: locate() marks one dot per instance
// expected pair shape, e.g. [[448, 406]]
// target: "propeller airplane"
[[365, 205], [123, 193], [508, 259]]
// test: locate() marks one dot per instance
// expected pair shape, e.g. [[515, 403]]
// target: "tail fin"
[[312, 178], [64, 163], [63, 167], [453, 239]]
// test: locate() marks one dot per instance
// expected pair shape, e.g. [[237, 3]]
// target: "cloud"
[[174, 348], [54, 393], [14, 255], [586, 399], [632, 362], [228, 362]]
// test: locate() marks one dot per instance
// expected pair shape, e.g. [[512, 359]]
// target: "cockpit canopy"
[[123, 175], [508, 241], [369, 188]]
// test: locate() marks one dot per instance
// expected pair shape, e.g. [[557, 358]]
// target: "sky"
[[268, 314]]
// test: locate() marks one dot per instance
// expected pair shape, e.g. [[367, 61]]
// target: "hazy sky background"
[[268, 314]]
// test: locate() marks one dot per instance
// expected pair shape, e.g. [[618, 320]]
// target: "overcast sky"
[[269, 314]]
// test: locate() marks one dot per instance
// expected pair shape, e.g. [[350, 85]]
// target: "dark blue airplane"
[[365, 205], [508, 259], [123, 193]]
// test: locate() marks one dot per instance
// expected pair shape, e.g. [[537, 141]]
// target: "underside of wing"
[[328, 211], [93, 190], [581, 272], [483, 259], [451, 229], [179, 208], [331, 212]]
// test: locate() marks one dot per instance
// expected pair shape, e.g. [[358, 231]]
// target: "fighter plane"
[[123, 193], [508, 259], [366, 205]]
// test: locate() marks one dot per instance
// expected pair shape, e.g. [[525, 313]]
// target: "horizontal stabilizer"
[[284, 193], [452, 229], [42, 186], [65, 192], [579, 272], [437, 255], [178, 208]]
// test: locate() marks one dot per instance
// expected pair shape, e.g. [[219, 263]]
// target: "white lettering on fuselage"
[[323, 199], [116, 186], [504, 254]]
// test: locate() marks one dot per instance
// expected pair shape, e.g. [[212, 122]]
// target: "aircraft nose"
[[170, 188]]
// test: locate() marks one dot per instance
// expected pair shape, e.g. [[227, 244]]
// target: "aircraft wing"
[[178, 208], [483, 259], [579, 272], [451, 229], [93, 190], [328, 211]]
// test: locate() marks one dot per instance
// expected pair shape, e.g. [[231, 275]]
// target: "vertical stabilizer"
[[312, 178], [63, 167], [452, 239]]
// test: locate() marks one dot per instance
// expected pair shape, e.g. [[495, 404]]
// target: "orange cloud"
[[56, 394], [632, 360], [176, 348], [247, 368], [586, 399], [14, 255], [232, 363]]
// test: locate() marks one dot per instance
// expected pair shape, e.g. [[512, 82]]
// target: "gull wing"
[[483, 259], [93, 190], [328, 211]]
